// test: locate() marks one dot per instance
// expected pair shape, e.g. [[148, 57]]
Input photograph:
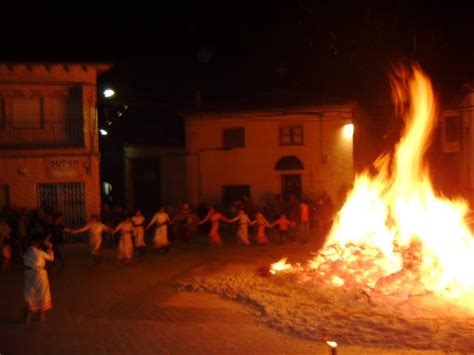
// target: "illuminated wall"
[[326, 153]]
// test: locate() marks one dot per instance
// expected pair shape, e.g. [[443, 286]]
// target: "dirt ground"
[[124, 309]]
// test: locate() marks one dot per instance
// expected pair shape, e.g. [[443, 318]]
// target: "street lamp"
[[108, 92], [348, 131]]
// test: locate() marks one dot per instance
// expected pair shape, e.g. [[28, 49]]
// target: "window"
[[453, 128], [27, 112], [451, 134], [291, 135], [67, 198], [234, 138]]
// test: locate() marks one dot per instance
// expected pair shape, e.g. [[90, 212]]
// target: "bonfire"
[[395, 234]]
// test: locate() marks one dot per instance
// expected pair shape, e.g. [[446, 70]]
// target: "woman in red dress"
[[262, 224], [214, 217]]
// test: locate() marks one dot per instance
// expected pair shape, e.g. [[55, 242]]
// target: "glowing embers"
[[394, 232], [279, 266]]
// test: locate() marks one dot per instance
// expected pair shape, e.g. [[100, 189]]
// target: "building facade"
[[452, 152], [303, 150], [49, 154], [154, 176]]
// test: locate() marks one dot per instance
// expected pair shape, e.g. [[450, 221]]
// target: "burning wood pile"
[[395, 235]]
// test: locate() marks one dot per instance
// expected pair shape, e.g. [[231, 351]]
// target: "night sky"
[[233, 49]]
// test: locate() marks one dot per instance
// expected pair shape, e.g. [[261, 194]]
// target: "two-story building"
[[300, 149], [49, 154]]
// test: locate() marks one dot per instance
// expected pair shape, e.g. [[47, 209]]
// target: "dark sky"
[[234, 48]]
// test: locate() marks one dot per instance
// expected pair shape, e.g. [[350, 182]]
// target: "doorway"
[[147, 184], [291, 184]]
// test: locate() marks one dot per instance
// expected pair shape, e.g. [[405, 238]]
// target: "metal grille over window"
[[65, 198]]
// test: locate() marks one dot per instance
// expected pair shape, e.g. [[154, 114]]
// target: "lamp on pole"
[[108, 92]]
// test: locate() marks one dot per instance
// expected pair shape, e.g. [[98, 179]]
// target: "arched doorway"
[[291, 178]]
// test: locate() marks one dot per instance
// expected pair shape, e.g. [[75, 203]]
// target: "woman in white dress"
[[244, 223], [161, 219], [95, 228], [37, 292], [139, 221], [125, 245]]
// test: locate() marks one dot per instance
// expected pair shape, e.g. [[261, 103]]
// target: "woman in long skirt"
[[125, 245], [139, 221], [215, 217], [161, 219], [244, 223], [37, 292], [95, 228], [262, 224]]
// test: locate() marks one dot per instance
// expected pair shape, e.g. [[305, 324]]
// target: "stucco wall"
[[326, 155]]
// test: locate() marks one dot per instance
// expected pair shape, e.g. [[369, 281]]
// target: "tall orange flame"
[[394, 229]]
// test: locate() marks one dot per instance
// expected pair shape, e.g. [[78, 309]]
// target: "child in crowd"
[[284, 225]]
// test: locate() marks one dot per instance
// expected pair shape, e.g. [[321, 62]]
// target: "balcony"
[[38, 135]]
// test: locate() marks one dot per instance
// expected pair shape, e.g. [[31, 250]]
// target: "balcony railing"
[[46, 134]]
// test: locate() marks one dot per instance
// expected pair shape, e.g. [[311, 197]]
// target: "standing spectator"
[[304, 220], [293, 208], [21, 238], [57, 238], [37, 292], [5, 242], [324, 212], [161, 219]]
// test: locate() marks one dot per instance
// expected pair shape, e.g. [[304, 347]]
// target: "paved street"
[[114, 308]]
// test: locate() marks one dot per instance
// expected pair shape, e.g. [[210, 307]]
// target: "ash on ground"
[[296, 303]]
